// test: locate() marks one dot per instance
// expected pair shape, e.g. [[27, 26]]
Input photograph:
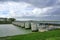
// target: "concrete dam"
[[40, 26]]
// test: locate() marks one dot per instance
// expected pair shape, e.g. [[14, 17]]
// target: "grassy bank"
[[50, 35]]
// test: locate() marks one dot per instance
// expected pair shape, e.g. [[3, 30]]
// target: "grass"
[[50, 35]]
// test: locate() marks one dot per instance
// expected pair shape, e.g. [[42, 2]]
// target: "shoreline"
[[36, 36]]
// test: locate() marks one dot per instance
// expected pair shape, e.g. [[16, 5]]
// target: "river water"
[[10, 30]]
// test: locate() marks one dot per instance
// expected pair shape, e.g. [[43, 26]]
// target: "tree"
[[11, 19]]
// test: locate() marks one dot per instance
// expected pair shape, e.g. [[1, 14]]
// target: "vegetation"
[[11, 19], [7, 21], [50, 35]]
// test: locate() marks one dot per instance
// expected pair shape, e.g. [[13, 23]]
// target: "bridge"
[[40, 26]]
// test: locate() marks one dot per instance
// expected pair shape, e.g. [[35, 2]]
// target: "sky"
[[30, 9]]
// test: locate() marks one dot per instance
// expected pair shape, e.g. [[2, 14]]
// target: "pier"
[[40, 26]]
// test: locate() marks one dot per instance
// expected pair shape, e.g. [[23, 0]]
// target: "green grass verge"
[[50, 35]]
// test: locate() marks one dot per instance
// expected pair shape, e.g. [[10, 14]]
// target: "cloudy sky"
[[30, 9]]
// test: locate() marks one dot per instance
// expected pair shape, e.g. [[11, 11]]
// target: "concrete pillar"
[[34, 26], [18, 23], [14, 23], [42, 28], [51, 27], [22, 24], [27, 25], [57, 27]]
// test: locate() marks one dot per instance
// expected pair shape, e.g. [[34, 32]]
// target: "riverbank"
[[50, 35], [5, 22]]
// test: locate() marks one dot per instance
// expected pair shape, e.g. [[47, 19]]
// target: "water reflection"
[[9, 30]]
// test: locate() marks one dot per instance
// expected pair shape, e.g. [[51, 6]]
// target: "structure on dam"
[[40, 26]]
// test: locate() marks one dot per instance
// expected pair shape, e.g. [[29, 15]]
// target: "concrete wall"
[[15, 23], [50, 27], [22, 24], [34, 26], [27, 25], [56, 26], [41, 28]]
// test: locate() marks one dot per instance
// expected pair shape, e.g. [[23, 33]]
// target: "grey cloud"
[[5, 0], [42, 3], [54, 15], [54, 11], [37, 3]]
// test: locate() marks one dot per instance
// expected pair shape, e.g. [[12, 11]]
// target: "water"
[[10, 30]]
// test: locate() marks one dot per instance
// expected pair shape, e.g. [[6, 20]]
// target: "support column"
[[27, 25], [41, 27], [22, 24], [34, 27]]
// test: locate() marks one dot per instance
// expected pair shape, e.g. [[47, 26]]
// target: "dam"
[[25, 27], [40, 26]]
